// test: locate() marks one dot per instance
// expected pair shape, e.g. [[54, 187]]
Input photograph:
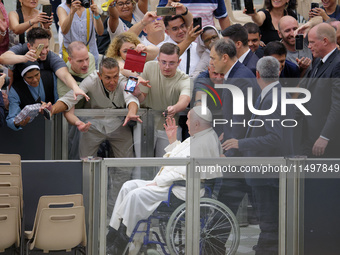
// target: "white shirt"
[[242, 58], [227, 74], [324, 59], [194, 58]]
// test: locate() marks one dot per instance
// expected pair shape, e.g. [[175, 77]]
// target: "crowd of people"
[[259, 60]]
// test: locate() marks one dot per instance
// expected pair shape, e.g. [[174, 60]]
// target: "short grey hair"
[[225, 46], [268, 68], [108, 63]]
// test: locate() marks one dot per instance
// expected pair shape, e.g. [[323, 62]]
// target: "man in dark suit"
[[289, 72], [223, 59], [269, 140], [321, 136], [254, 38], [239, 35]]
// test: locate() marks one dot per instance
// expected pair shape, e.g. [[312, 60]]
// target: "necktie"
[[317, 68], [256, 106]]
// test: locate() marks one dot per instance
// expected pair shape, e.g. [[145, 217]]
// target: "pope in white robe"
[[138, 199]]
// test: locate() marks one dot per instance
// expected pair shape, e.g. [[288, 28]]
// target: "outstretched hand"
[[83, 127], [133, 117], [170, 129], [78, 91]]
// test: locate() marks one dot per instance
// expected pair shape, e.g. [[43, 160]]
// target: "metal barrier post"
[[294, 207], [49, 139], [147, 134], [64, 138], [91, 193], [192, 218]]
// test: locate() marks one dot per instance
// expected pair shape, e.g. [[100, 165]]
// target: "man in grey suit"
[[269, 140], [321, 136]]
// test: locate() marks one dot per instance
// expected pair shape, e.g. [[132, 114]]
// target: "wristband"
[[29, 22], [96, 17], [186, 12]]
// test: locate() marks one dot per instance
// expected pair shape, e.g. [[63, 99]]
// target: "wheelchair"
[[219, 234]]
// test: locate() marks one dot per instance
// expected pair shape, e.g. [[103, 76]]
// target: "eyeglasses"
[[208, 40], [158, 19], [175, 29], [121, 4], [171, 63]]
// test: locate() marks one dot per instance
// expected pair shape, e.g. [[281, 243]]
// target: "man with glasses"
[[47, 60], [177, 30], [155, 33], [169, 91], [153, 26]]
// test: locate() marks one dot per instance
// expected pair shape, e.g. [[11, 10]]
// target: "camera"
[[85, 3], [131, 84], [299, 42], [248, 4], [197, 22], [6, 80], [314, 5], [166, 11]]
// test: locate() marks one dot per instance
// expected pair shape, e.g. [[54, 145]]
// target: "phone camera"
[[85, 3]]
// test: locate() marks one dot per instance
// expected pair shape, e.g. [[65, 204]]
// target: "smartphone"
[[131, 84], [299, 42], [248, 4], [166, 11], [47, 8], [39, 49], [47, 114], [314, 5], [197, 22]]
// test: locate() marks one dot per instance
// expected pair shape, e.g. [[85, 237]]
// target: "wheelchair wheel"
[[219, 234]]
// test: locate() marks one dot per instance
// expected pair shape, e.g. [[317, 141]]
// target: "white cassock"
[[136, 201]]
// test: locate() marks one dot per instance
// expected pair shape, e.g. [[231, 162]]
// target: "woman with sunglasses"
[[124, 14]]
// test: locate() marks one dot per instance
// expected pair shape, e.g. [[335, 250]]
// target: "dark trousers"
[[232, 192], [266, 202]]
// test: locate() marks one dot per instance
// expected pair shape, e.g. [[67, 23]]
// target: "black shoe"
[[110, 239], [121, 242], [118, 246], [111, 236]]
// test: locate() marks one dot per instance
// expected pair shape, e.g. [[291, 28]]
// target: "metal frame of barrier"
[[193, 186], [291, 196], [147, 126]]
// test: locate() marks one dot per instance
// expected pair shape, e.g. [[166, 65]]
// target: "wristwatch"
[[186, 12]]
